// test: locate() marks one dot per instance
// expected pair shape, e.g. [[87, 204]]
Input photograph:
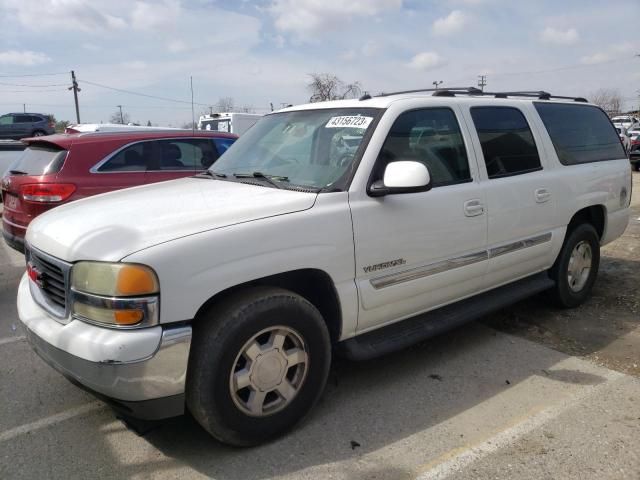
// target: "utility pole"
[[24, 108], [437, 82], [482, 81], [121, 117], [211, 110], [76, 89]]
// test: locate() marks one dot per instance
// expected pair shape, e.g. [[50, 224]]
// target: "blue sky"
[[259, 52]]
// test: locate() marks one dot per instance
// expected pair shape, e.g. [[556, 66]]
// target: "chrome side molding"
[[456, 262]]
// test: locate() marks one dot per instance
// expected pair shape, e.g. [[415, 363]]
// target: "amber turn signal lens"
[[136, 280], [128, 317]]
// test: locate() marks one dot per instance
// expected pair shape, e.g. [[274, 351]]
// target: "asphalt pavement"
[[476, 403]]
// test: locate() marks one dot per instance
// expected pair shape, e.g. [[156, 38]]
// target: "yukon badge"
[[383, 265]]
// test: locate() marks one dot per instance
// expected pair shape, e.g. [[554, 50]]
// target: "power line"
[[166, 99], [33, 75], [34, 91], [34, 86]]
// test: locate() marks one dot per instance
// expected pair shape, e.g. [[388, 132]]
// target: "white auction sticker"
[[349, 121]]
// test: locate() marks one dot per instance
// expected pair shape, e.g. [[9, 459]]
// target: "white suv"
[[228, 293]]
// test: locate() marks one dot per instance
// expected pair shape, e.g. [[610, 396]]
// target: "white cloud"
[[155, 16], [177, 46], [426, 61], [25, 58], [304, 18], [595, 58], [452, 23], [559, 37], [62, 15]]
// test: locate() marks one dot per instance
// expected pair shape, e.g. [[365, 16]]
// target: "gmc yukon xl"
[[352, 227]]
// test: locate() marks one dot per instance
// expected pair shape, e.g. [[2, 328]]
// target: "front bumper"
[[150, 387]]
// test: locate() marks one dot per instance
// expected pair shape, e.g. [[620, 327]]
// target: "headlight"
[[115, 294]]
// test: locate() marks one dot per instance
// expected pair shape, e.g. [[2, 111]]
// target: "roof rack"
[[453, 91]]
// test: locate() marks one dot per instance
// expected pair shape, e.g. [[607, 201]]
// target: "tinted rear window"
[[40, 160], [580, 133]]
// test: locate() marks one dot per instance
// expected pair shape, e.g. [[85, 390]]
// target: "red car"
[[61, 168]]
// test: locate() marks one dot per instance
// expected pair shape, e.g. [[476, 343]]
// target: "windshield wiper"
[[17, 172], [268, 178], [209, 173]]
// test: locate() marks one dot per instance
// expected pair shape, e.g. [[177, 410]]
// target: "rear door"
[[22, 125], [124, 167], [521, 200]]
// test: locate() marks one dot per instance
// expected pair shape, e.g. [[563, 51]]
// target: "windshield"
[[311, 148]]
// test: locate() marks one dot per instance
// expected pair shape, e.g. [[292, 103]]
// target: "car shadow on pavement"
[[370, 405], [604, 328]]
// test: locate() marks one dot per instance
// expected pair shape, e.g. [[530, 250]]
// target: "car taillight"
[[47, 192]]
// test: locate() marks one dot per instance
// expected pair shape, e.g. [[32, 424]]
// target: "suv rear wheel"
[[258, 363], [576, 267], [39, 133]]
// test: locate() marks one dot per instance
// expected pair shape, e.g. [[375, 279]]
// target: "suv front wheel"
[[576, 267], [258, 363]]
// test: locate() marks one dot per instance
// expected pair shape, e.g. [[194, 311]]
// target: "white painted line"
[[453, 465], [49, 421], [4, 341]]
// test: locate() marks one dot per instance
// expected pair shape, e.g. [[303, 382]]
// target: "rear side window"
[[580, 133], [22, 119], [35, 119], [507, 142], [134, 158], [40, 160]]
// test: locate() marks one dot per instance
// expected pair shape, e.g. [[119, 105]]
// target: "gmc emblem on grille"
[[36, 275]]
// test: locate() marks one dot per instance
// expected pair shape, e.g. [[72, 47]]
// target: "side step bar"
[[413, 330]]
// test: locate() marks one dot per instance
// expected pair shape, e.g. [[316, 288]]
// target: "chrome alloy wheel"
[[269, 371], [580, 264]]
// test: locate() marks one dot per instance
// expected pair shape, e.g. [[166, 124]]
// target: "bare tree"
[[115, 118], [609, 99], [225, 104], [326, 86]]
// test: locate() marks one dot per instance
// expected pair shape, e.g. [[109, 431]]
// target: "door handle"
[[542, 195], [473, 208]]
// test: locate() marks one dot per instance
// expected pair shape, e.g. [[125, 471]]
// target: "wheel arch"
[[595, 215], [315, 285]]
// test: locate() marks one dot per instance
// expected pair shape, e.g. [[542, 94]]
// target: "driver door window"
[[432, 137]]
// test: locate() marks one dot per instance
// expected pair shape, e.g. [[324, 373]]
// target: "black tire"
[[219, 336], [563, 295], [38, 133]]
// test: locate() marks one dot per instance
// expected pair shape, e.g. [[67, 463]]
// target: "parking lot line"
[[4, 341], [48, 421], [456, 460]]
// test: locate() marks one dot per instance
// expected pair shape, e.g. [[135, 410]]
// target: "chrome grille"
[[50, 292]]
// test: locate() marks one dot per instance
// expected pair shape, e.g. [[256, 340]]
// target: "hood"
[[111, 226]]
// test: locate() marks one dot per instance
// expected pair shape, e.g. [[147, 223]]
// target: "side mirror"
[[402, 177]]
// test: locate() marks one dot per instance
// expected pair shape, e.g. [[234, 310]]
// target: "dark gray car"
[[21, 125]]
